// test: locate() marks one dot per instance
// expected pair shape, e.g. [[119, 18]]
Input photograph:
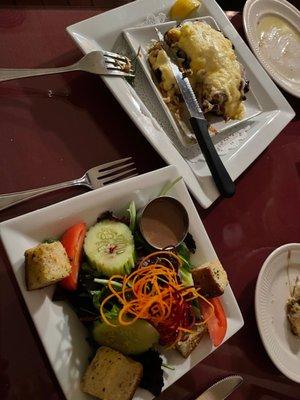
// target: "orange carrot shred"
[[154, 292]]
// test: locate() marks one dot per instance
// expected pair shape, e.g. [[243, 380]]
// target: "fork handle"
[[10, 199], [7, 74]]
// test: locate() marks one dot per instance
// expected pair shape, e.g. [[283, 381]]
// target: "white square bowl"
[[140, 39], [239, 147], [62, 334]]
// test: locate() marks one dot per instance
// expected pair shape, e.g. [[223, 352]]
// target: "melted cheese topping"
[[214, 68], [161, 61], [214, 64]]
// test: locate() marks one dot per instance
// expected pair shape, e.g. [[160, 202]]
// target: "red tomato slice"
[[72, 240], [217, 323]]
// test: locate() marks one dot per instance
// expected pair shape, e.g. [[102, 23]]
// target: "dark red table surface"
[[54, 128]]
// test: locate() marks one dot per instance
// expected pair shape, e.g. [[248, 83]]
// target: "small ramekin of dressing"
[[163, 222]]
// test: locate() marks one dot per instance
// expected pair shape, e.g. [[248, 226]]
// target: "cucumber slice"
[[109, 247], [130, 339]]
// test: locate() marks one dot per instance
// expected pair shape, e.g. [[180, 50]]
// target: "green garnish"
[[169, 186], [105, 282], [132, 213]]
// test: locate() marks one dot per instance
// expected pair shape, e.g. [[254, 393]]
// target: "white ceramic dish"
[[271, 295], [240, 146], [282, 66], [62, 334], [140, 39]]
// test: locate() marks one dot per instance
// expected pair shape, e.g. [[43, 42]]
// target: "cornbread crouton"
[[112, 376], [191, 340], [45, 265], [210, 279]]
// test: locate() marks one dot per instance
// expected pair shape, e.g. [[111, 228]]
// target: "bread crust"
[[45, 265], [210, 279], [112, 376], [185, 347]]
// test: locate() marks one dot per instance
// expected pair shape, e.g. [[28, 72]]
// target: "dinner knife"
[[199, 125], [222, 389]]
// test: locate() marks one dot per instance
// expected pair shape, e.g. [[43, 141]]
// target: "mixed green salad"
[[132, 298], [110, 249]]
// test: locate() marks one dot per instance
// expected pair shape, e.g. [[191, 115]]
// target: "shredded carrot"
[[154, 292]]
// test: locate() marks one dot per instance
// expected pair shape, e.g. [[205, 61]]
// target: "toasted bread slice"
[[112, 376], [191, 340], [45, 265], [210, 279]]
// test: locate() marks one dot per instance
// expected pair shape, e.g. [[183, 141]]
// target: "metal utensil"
[[94, 178], [96, 62], [222, 389], [199, 125]]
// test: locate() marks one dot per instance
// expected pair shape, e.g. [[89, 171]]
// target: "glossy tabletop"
[[54, 128]]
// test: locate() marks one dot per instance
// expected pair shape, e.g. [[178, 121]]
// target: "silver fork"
[[94, 178], [97, 62]]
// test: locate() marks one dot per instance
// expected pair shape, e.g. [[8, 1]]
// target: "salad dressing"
[[164, 222]]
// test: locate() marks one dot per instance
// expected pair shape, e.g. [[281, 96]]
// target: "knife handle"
[[219, 173]]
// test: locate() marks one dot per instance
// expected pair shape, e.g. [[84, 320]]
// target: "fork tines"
[[115, 56], [117, 62], [106, 174]]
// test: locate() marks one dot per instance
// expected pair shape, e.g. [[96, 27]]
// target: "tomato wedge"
[[217, 323], [72, 240]]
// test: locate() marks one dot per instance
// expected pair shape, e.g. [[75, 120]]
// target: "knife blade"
[[199, 125], [222, 389]]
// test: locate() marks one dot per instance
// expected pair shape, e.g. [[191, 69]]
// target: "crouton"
[[112, 376], [45, 265], [210, 279], [191, 340]]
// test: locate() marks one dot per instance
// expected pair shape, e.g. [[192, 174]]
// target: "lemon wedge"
[[182, 8]]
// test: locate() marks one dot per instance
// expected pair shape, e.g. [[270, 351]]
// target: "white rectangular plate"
[[140, 40], [62, 334], [239, 147]]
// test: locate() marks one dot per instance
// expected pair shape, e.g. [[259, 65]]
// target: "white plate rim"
[[254, 46], [282, 249]]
